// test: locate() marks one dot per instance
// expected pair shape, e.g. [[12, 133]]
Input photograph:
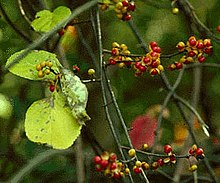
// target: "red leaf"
[[142, 130]]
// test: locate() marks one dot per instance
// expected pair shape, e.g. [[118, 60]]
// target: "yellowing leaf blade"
[[26, 67], [50, 121]]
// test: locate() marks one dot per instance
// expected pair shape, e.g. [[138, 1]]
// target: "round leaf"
[[26, 67], [46, 20], [50, 121]]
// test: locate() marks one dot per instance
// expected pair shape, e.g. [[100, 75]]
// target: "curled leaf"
[[76, 94]]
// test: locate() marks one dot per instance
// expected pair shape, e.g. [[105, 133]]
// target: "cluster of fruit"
[[120, 56], [195, 154], [110, 166], [122, 8], [148, 63], [194, 52], [44, 68]]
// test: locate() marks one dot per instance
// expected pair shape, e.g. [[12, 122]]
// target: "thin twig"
[[23, 12], [17, 30], [104, 91]]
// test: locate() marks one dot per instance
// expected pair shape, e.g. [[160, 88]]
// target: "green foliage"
[[26, 67], [46, 20], [50, 121]]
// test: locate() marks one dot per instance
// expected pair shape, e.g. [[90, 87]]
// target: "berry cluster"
[[44, 68], [194, 52], [122, 8], [195, 154], [150, 62], [171, 159], [120, 54], [110, 166]]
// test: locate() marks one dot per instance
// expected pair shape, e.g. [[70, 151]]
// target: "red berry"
[[113, 166], [191, 54], [200, 45], [154, 54], [154, 64], [117, 175], [61, 32], [115, 51], [160, 162], [146, 60], [142, 68], [207, 42], [52, 88], [137, 169], [167, 149], [154, 72], [199, 151], [112, 61], [208, 50], [201, 59], [156, 49], [98, 168], [125, 3], [173, 158], [192, 42], [76, 69], [179, 65], [153, 44], [112, 157], [104, 163], [218, 29], [131, 6], [191, 151], [127, 17], [137, 65], [97, 159]]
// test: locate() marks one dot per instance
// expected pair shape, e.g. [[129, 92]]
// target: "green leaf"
[[46, 20], [50, 121], [76, 94], [26, 67]]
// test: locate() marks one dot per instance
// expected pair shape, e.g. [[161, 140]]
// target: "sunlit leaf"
[[26, 67], [46, 20], [51, 122], [76, 94]]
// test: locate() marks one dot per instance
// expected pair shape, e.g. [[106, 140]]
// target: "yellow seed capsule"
[[131, 152], [175, 11], [160, 67], [123, 47], [119, 5], [43, 64], [127, 171], [193, 168], [40, 74], [121, 65], [124, 9], [127, 52], [38, 67], [119, 15], [115, 45], [145, 165], [91, 72], [138, 163], [145, 147], [49, 64], [47, 71]]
